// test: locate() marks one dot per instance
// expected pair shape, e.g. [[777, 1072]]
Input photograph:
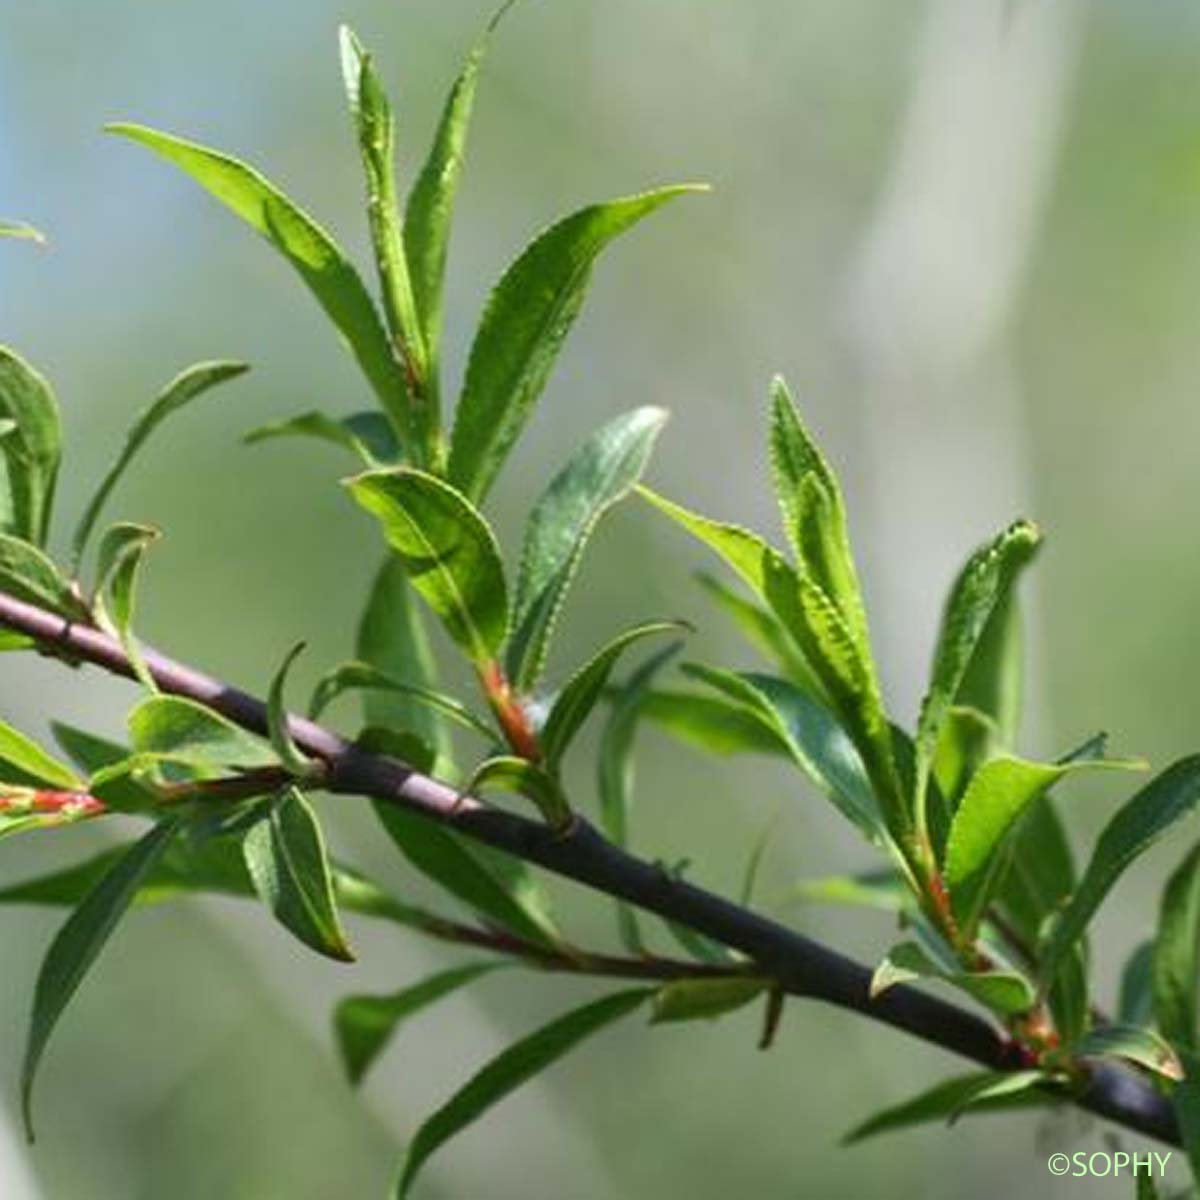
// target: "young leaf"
[[506, 773], [184, 730], [1141, 1046], [354, 676], [25, 572], [1175, 964], [448, 550], [363, 1025], [598, 475], [704, 999], [1136, 826], [286, 859], [18, 229], [31, 448], [310, 250], [80, 940], [182, 390], [1005, 992], [583, 690], [118, 565], [368, 435], [508, 1070], [713, 724], [992, 682], [522, 330], [22, 760], [292, 757]]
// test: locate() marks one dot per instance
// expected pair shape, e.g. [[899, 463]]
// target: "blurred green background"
[[969, 233]]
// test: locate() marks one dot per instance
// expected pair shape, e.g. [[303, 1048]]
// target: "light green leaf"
[[598, 475], [583, 690], [967, 740], [363, 1025], [992, 682], [713, 724], [1134, 1000], [1141, 1046], [521, 777], [190, 383], [27, 574], [31, 448], [92, 755], [310, 250], [118, 565], [286, 859], [288, 753], [704, 999], [522, 330], [1175, 986], [448, 551], [79, 941], [368, 435], [18, 229], [1137, 825], [1005, 992], [188, 732], [883, 890], [23, 761], [508, 1070]]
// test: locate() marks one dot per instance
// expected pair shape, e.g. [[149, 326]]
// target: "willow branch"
[[801, 966]]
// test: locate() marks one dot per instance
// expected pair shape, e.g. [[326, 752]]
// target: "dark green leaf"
[[598, 475], [704, 999], [1185, 1099], [368, 435], [1176, 955], [184, 388], [288, 753], [1005, 992], [448, 551], [1134, 1001], [31, 449], [522, 330], [508, 1070], [519, 776], [184, 730], [713, 724], [364, 1025], [80, 940], [286, 859], [1141, 1046]]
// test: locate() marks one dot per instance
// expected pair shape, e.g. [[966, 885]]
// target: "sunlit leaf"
[[23, 761], [187, 731], [31, 448], [27, 574], [520, 777], [118, 566]]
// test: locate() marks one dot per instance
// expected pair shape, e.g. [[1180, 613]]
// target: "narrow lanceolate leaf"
[[187, 731], [522, 330], [1175, 962], [364, 1025], [1157, 808], [507, 1071], [883, 890], [583, 690], [286, 859], [1004, 992], [713, 724], [430, 208], [292, 757], [944, 1100], [310, 250], [1134, 996], [1185, 1100], [356, 676], [25, 572], [503, 891], [599, 474], [1136, 1045], [181, 391], [18, 229], [814, 514], [31, 448], [448, 551], [23, 761], [118, 566], [977, 849], [520, 777], [992, 682], [989, 575], [704, 999], [367, 435], [80, 940]]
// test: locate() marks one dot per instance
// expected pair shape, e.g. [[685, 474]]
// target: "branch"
[[801, 966]]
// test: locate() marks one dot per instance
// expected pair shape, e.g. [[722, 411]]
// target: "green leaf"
[[118, 566], [187, 731], [1137, 825], [79, 942], [354, 676], [883, 890], [704, 999], [988, 576], [712, 723], [522, 329], [1185, 1100], [93, 754], [598, 475], [310, 250], [508, 1070], [18, 229], [31, 449], [23, 761], [1175, 987], [966, 742], [363, 1025], [1005, 992], [368, 435], [286, 859], [997, 796], [1141, 1046], [943, 1101], [1134, 998], [448, 551], [992, 682], [288, 753], [814, 514], [512, 900], [583, 690], [506, 773], [190, 383], [27, 574]]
